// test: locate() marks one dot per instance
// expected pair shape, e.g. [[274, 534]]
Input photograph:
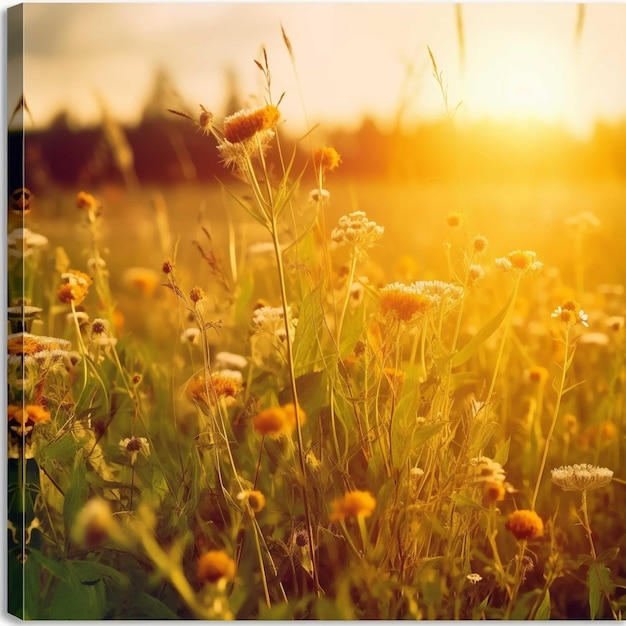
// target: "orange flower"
[[86, 201], [325, 159], [353, 504], [454, 220], [277, 421], [404, 302], [537, 375], [223, 386], [245, 123], [524, 524], [493, 491], [215, 565]]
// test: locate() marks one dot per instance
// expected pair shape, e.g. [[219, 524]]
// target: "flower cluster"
[[22, 419], [353, 504], [520, 263], [410, 302], [270, 320], [581, 477], [570, 313], [356, 230]]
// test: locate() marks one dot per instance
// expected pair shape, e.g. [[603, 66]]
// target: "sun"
[[521, 78]]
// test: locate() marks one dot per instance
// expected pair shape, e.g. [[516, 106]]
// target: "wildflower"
[[99, 327], [476, 273], [215, 565], [270, 320], [325, 159], [521, 263], [353, 504], [487, 470], [26, 344], [357, 231], [93, 523], [405, 302], [454, 220], [74, 287], [205, 120], [85, 200], [26, 417], [135, 446], [196, 294], [537, 375], [417, 472], [238, 155], [319, 195], [246, 123], [277, 421], [570, 313], [524, 524], [581, 477], [480, 243], [142, 279], [22, 317], [22, 242], [254, 498], [221, 385], [168, 267], [230, 360], [474, 578], [493, 491], [191, 336]]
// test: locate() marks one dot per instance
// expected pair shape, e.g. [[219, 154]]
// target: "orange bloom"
[[405, 302], [325, 159], [353, 504], [86, 201], [214, 565], [277, 421], [493, 491], [524, 524], [245, 124]]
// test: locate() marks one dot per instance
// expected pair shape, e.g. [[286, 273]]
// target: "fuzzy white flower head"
[[271, 320], [22, 241], [230, 360], [322, 196], [191, 336], [581, 477], [474, 578], [356, 230], [487, 470]]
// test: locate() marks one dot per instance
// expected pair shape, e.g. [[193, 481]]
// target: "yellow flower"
[[74, 287], [325, 159], [246, 123], [480, 243], [353, 504], [570, 313], [215, 565], [524, 524], [254, 498], [520, 262], [223, 387]]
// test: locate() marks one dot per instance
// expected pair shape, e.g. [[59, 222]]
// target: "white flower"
[[133, 446], [230, 360], [316, 196], [487, 470], [356, 230], [581, 477], [190, 335], [474, 578]]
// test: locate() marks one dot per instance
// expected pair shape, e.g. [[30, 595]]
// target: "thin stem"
[[557, 406]]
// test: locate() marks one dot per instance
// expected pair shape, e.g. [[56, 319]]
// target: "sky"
[[351, 59]]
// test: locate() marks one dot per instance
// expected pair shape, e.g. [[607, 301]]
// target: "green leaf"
[[77, 493], [523, 606], [480, 337], [598, 578], [607, 556], [59, 569], [147, 607], [64, 446], [543, 611]]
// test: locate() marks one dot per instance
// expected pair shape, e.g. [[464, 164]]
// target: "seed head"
[[581, 477]]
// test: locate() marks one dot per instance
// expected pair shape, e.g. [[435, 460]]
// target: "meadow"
[[301, 397]]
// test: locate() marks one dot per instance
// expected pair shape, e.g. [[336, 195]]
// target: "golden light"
[[522, 78]]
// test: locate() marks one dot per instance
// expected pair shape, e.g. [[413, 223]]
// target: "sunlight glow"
[[523, 79]]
